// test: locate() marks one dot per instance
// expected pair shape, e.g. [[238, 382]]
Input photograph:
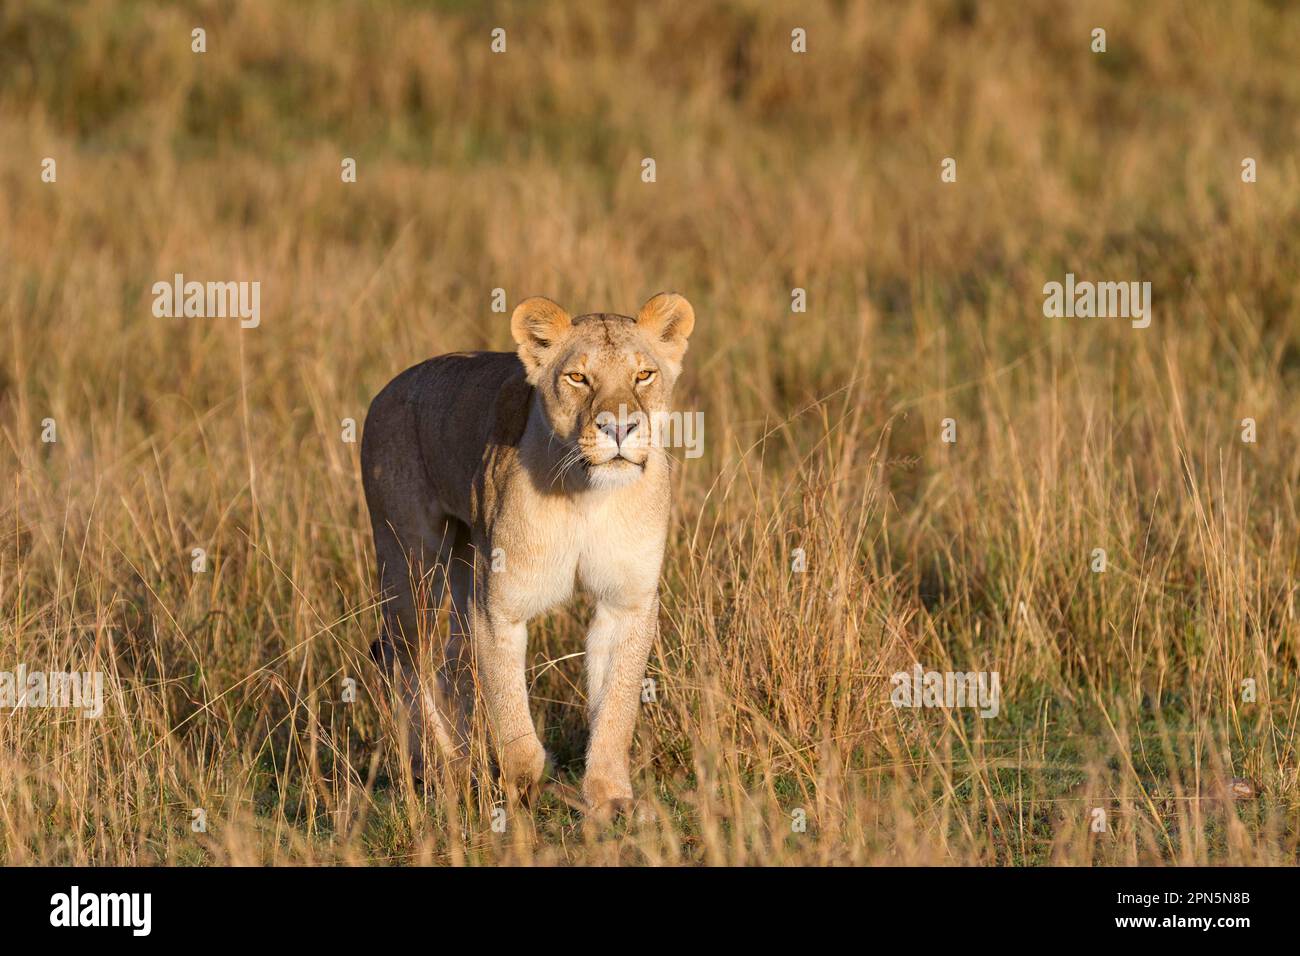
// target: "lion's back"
[[435, 421]]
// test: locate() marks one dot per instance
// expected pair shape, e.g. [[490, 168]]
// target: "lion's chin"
[[618, 472]]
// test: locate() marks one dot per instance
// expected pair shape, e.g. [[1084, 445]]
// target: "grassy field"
[[1122, 690]]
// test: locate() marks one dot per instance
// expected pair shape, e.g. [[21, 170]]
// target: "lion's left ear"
[[537, 325], [669, 318]]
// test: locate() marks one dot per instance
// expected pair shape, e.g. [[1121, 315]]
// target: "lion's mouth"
[[615, 461]]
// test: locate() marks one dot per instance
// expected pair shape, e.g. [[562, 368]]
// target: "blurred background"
[[775, 171]]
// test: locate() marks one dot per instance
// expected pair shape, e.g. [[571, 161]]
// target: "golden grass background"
[[1121, 690]]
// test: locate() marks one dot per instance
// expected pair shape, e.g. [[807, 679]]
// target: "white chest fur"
[[597, 541]]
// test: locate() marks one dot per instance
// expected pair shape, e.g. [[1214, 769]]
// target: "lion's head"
[[604, 381]]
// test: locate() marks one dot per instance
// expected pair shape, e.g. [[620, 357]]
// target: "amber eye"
[[645, 375], [577, 378]]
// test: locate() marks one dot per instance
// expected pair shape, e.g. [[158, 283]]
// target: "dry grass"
[[1120, 690]]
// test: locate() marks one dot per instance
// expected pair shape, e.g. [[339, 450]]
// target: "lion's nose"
[[619, 430]]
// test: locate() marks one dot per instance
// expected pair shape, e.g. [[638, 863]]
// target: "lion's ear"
[[537, 324], [669, 319]]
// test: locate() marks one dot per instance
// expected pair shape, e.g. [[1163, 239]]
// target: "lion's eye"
[[577, 378], [645, 375]]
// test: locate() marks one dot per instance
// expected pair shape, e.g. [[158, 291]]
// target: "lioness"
[[509, 479]]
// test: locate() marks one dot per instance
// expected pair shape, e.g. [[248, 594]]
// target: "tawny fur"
[[500, 478]]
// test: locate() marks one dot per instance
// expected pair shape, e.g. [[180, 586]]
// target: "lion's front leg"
[[618, 645], [500, 645]]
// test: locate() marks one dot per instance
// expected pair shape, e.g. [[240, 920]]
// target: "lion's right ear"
[[669, 319], [537, 325]]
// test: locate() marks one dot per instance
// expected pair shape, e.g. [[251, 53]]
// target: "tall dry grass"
[[1121, 690]]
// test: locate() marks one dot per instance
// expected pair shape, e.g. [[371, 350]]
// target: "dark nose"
[[619, 430]]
